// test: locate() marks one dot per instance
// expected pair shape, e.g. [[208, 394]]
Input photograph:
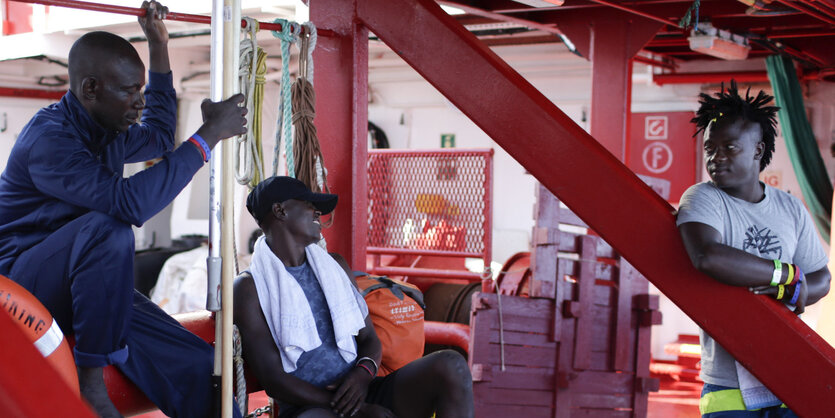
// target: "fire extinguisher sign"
[[656, 127], [662, 146]]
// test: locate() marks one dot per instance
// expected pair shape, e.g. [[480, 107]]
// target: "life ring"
[[36, 322]]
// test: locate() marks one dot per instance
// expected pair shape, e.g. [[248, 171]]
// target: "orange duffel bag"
[[396, 309]]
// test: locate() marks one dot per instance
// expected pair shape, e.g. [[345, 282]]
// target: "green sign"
[[447, 140]]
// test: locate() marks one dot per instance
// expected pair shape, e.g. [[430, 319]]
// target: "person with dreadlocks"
[[743, 232]]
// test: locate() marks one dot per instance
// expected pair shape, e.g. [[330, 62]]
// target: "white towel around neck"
[[288, 312]]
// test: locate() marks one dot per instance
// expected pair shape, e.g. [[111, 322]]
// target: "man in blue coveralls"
[[66, 213]]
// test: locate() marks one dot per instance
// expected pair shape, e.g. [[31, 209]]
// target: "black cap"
[[279, 189]]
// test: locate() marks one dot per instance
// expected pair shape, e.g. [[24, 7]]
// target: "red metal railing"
[[434, 203], [136, 11]]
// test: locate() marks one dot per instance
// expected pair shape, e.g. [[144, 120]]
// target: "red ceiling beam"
[[654, 62], [811, 11], [576, 168], [706, 78], [136, 11], [636, 12], [820, 6], [31, 93], [550, 28]]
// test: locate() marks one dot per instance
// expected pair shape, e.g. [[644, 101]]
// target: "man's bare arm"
[[738, 268], [157, 35], [262, 355]]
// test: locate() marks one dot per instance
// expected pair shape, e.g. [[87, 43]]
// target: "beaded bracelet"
[[778, 273]]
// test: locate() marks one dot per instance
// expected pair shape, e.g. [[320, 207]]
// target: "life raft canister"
[[37, 323]]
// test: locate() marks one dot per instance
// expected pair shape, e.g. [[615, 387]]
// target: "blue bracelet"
[[203, 145], [796, 294]]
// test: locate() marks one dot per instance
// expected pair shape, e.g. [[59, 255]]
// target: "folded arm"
[[735, 267]]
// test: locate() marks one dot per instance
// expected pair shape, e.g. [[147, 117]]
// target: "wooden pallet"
[[579, 346]]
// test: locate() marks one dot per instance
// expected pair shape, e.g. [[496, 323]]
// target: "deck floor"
[[673, 400]]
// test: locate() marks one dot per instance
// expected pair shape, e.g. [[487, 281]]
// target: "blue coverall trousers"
[[83, 273]]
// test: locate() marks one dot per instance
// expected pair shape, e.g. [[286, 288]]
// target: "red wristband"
[[199, 148], [366, 369]]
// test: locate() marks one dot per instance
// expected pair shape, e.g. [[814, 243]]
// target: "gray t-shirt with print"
[[777, 227]]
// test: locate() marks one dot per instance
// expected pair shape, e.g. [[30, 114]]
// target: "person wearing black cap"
[[306, 332]]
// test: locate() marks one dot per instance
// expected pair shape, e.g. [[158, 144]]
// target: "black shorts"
[[380, 392]]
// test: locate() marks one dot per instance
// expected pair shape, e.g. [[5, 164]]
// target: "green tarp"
[[800, 141]]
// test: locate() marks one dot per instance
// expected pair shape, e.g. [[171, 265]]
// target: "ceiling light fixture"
[[719, 43], [541, 3]]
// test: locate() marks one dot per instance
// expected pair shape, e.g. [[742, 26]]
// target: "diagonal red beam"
[[777, 346]]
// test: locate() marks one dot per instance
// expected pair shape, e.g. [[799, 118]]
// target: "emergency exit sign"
[[447, 140]]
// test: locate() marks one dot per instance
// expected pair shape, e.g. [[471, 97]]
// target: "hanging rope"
[[308, 153], [289, 34], [309, 160], [248, 147], [684, 22], [240, 379]]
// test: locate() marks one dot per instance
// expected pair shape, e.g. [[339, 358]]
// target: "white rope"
[[246, 147], [240, 379]]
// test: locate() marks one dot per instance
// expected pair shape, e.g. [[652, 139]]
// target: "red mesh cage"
[[436, 202]]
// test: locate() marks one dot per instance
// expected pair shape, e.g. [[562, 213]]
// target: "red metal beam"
[[704, 78], [342, 106], [654, 62], [636, 12], [411, 251], [29, 386], [550, 28], [31, 93], [136, 11], [804, 7], [426, 272], [607, 196]]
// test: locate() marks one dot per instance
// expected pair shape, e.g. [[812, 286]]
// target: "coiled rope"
[[308, 162], [248, 147], [289, 34]]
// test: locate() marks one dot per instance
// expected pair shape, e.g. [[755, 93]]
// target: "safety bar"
[[136, 11], [409, 251]]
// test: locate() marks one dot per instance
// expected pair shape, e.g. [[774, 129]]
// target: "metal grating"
[[437, 200]]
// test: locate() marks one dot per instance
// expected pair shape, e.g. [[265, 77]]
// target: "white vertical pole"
[[231, 35], [224, 50]]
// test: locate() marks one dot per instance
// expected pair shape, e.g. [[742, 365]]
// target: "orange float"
[[37, 323]]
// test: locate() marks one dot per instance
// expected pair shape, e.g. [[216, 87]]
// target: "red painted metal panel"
[[342, 106], [29, 386], [589, 179], [662, 145], [17, 18]]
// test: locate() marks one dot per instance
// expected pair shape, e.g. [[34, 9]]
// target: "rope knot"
[[290, 31]]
